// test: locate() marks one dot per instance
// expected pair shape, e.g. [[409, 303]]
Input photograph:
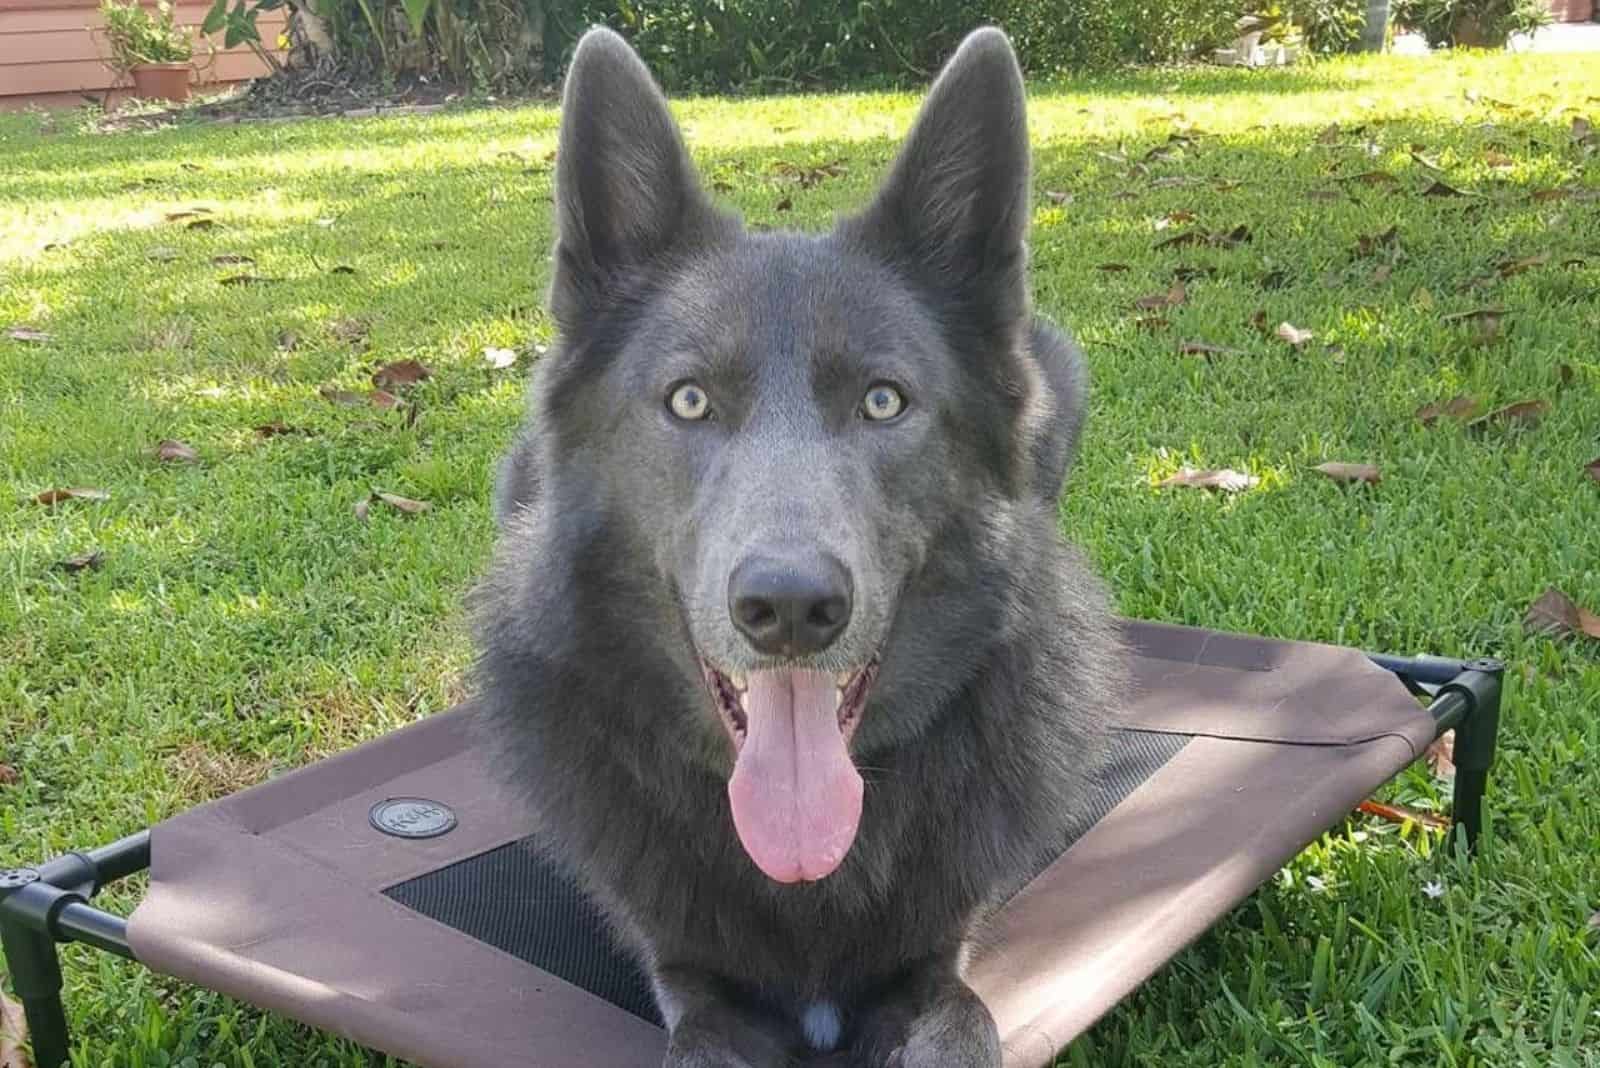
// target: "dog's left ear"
[[954, 210]]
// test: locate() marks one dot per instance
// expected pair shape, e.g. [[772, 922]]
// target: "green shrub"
[[1330, 26], [1086, 34]]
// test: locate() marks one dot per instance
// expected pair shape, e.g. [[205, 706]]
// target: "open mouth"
[[795, 792], [730, 693]]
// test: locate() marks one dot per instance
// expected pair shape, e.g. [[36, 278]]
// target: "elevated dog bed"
[[388, 894]]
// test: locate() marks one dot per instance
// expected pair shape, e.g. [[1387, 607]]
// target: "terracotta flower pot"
[[162, 81]]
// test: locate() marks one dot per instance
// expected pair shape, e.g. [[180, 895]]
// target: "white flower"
[[1433, 890]]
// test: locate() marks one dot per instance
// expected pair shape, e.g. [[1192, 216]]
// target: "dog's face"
[[791, 423]]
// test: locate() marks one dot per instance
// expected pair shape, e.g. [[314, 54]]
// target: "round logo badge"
[[412, 817]]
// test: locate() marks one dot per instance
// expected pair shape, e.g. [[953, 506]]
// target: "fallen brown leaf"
[[56, 496], [89, 561], [402, 504], [382, 398], [1498, 160], [1258, 321], [1485, 322], [1230, 238], [1422, 160], [1441, 755], [288, 341], [1403, 814], [1367, 244], [341, 268], [1056, 196], [1112, 268], [1555, 615], [1170, 299], [1187, 237], [1582, 128], [187, 213], [1544, 196], [29, 335], [9, 776], [1174, 218], [400, 373], [1461, 406], [1510, 267], [1564, 375], [1202, 348], [201, 224], [171, 451], [13, 1034], [786, 204], [1226, 479], [1592, 469], [1152, 323], [1440, 189], [1329, 135], [1343, 472], [277, 429], [248, 280], [1523, 413], [231, 259], [1295, 336], [1381, 273]]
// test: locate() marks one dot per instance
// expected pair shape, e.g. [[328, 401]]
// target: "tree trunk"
[[1376, 30]]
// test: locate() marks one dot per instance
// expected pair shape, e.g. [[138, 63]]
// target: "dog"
[[780, 639]]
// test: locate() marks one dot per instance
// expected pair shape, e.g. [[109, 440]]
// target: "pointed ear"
[[626, 191], [954, 209]]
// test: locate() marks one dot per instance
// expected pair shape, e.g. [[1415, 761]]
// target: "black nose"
[[790, 605]]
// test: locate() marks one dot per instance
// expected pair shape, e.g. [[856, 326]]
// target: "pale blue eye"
[[882, 403], [689, 402]]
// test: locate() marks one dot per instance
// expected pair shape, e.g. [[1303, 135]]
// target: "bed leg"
[[36, 975], [1476, 735]]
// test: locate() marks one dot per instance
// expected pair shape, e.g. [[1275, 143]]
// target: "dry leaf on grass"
[[1187, 237], [1226, 479], [343, 397], [248, 280], [1371, 178], [404, 505], [341, 268], [1592, 469], [1295, 336], [1206, 349], [1485, 322], [1510, 267], [201, 224], [1367, 244], [1461, 406], [29, 335], [786, 204], [89, 561], [186, 213], [56, 496], [349, 331], [499, 359], [1497, 159], [1343, 472], [231, 259], [1170, 299], [277, 429], [1152, 323], [383, 399], [1555, 615], [1440, 189], [172, 451], [1056, 196], [400, 373], [1112, 268], [13, 1034], [9, 776], [1441, 755], [1403, 814], [1521, 414]]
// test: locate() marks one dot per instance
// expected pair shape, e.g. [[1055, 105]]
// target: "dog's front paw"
[[955, 1031], [724, 1044]]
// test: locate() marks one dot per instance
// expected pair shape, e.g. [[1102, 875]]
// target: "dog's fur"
[[621, 525]]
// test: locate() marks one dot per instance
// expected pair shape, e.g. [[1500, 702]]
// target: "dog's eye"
[[882, 403], [688, 401]]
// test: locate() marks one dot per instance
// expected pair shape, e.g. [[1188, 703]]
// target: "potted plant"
[[151, 49]]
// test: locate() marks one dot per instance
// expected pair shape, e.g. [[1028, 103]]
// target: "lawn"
[[243, 619]]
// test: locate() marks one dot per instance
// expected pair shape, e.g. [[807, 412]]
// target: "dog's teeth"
[[842, 679], [740, 680], [744, 702]]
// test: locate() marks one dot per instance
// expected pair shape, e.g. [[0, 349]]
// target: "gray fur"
[[620, 525]]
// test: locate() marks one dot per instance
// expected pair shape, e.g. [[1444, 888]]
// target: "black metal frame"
[[43, 906]]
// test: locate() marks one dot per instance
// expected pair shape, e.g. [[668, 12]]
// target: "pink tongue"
[[796, 796]]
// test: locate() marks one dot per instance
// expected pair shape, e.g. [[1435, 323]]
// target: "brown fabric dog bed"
[[389, 895]]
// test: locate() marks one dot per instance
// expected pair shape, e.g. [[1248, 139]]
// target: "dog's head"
[[818, 444]]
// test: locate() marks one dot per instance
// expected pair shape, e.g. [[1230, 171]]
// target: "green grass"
[[244, 620]]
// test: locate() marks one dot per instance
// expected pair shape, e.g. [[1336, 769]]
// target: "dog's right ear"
[[626, 191]]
